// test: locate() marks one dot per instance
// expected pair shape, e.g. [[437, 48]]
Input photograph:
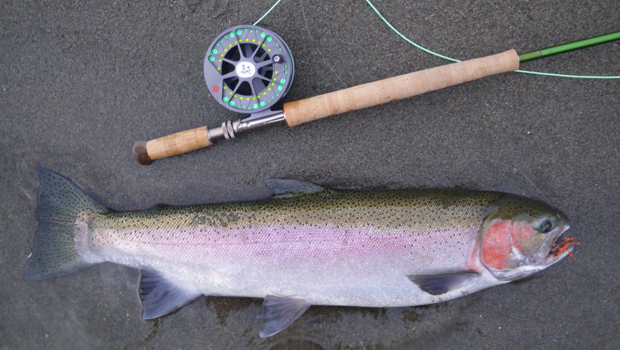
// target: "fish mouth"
[[562, 246]]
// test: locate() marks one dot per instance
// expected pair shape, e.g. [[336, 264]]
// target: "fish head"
[[521, 236]]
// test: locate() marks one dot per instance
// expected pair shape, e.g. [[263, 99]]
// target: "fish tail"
[[60, 244]]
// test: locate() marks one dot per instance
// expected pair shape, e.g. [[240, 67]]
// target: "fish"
[[305, 245]]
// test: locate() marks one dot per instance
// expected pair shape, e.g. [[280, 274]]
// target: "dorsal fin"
[[286, 188], [160, 296], [160, 206]]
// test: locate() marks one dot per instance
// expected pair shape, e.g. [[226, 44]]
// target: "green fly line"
[[455, 60], [266, 13]]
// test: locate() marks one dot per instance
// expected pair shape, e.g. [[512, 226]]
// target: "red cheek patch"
[[496, 244], [521, 233]]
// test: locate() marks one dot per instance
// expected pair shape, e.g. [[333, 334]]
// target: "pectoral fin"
[[441, 284], [160, 296], [279, 313]]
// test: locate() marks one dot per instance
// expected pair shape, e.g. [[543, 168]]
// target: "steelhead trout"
[[305, 245]]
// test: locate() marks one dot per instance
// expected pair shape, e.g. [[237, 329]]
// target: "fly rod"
[[249, 68]]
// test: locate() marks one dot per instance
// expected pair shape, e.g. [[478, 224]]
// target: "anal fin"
[[441, 284], [160, 296], [280, 312]]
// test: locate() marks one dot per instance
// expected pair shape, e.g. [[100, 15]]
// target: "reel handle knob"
[[146, 152]]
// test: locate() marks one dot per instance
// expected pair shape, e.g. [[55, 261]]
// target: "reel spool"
[[248, 69]]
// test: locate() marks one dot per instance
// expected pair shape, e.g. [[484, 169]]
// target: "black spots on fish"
[[62, 201], [510, 206], [363, 216], [198, 220], [216, 219]]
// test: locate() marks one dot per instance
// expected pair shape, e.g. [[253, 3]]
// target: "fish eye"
[[545, 226]]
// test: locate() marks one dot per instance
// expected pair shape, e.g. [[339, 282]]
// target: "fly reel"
[[248, 69]]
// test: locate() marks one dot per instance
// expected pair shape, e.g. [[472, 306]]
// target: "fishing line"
[[515, 170], [266, 13], [303, 12], [453, 59]]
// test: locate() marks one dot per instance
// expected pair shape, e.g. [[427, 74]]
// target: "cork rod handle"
[[396, 88], [146, 152]]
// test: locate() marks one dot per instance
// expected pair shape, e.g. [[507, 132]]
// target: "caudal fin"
[[60, 204]]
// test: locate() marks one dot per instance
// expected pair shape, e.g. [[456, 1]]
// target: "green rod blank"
[[575, 45]]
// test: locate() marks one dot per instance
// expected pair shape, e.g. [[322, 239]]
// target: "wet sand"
[[80, 82]]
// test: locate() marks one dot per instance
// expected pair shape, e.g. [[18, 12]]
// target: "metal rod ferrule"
[[231, 128]]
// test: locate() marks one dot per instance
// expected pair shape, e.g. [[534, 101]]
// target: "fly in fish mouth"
[[563, 245]]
